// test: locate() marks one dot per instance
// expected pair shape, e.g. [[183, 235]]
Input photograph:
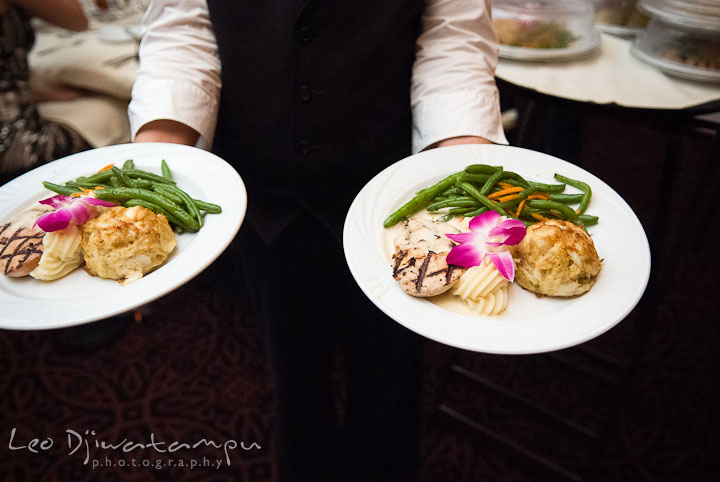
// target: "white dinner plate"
[[29, 304], [530, 324]]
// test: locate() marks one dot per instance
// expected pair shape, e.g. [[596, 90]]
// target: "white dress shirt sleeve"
[[453, 86], [179, 75]]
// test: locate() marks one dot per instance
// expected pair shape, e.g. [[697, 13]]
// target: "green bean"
[[209, 208], [143, 183], [421, 199], [514, 176], [482, 169], [453, 191], [470, 189], [166, 170], [548, 188], [129, 164], [124, 194], [491, 181], [115, 181], [585, 188], [455, 212], [588, 220], [453, 203], [190, 205], [476, 212], [154, 208], [472, 177], [202, 205], [566, 198], [86, 184], [160, 189], [137, 173], [566, 211], [98, 176], [64, 190], [122, 176]]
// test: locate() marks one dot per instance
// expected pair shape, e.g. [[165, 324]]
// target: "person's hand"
[[165, 130], [454, 141]]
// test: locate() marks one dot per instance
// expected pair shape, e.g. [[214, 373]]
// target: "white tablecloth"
[[610, 76]]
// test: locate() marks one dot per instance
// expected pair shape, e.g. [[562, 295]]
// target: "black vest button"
[[305, 93], [305, 35], [304, 148]]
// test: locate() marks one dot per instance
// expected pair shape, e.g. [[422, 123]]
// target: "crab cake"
[[126, 243], [556, 258]]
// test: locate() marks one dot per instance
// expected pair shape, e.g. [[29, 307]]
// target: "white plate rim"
[[195, 252], [371, 268]]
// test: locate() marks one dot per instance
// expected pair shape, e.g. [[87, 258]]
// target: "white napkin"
[[101, 119], [83, 60]]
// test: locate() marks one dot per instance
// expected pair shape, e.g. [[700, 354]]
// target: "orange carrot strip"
[[99, 187], [106, 167], [539, 217], [520, 207], [539, 196], [505, 185], [509, 197], [504, 192]]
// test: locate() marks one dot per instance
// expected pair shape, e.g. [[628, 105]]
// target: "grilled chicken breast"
[[21, 243], [419, 261]]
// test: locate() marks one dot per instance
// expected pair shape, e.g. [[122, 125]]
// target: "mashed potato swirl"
[[483, 289], [61, 254]]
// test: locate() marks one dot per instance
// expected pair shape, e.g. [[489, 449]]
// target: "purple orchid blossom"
[[68, 211], [487, 234]]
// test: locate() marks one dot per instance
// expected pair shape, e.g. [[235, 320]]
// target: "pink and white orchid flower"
[[488, 233], [69, 211]]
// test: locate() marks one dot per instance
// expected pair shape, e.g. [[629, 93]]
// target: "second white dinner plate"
[[530, 324]]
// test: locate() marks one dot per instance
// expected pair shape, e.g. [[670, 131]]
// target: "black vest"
[[315, 99]]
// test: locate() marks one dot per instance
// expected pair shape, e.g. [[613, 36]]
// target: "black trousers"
[[308, 305]]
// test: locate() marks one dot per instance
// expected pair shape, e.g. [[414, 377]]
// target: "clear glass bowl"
[[682, 38], [693, 14], [544, 29], [619, 17]]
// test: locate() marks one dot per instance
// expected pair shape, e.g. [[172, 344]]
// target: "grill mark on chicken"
[[424, 273], [25, 246], [423, 270], [399, 257]]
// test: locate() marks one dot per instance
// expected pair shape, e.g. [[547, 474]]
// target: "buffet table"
[[611, 76]]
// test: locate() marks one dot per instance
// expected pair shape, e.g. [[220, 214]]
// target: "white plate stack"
[[682, 38]]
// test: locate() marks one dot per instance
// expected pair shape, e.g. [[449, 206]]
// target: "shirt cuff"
[[443, 116], [172, 100]]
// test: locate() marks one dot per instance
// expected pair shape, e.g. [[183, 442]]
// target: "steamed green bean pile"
[[481, 187], [128, 186]]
